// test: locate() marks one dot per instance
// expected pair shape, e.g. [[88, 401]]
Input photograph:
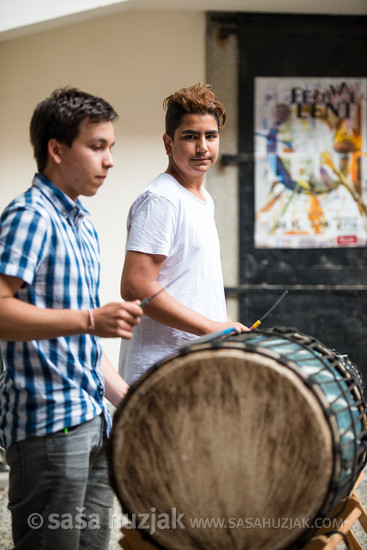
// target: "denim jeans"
[[59, 492]]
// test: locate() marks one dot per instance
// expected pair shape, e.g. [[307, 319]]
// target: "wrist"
[[91, 324], [205, 327]]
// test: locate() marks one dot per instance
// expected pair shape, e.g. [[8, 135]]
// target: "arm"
[[139, 280], [115, 385], [20, 321]]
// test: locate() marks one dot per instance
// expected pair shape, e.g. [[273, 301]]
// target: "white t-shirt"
[[167, 219]]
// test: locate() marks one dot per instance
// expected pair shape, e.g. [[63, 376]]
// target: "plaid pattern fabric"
[[47, 241]]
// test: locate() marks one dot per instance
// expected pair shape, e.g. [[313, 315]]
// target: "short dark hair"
[[197, 99], [59, 117]]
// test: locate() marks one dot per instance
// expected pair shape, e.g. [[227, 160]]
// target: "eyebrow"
[[196, 133], [101, 140]]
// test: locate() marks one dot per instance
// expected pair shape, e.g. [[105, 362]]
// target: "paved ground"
[[357, 530], [5, 529]]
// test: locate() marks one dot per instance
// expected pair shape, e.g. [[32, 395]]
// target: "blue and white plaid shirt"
[[48, 385]]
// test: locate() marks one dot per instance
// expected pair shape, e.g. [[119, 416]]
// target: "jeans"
[[59, 492]]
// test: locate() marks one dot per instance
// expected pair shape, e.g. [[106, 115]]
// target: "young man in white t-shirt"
[[171, 232]]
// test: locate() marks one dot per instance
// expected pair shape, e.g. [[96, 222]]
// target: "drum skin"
[[229, 434]]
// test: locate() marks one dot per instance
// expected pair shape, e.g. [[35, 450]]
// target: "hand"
[[117, 319], [239, 327]]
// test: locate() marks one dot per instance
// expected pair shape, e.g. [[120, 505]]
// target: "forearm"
[[115, 385], [163, 308], [139, 281], [170, 312], [22, 322]]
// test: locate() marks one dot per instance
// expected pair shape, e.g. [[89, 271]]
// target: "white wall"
[[132, 59]]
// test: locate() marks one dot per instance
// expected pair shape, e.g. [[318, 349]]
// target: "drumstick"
[[257, 323], [147, 301]]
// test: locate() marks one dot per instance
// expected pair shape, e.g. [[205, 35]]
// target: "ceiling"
[[16, 18]]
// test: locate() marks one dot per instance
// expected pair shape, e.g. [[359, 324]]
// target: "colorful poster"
[[310, 162]]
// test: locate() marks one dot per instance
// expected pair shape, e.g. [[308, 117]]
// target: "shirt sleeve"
[[23, 234], [152, 226]]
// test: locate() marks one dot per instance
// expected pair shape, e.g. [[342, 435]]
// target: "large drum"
[[243, 443]]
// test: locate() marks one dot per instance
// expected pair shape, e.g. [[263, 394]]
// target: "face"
[[83, 167], [195, 146]]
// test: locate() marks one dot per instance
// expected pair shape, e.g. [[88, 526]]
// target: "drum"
[[241, 442]]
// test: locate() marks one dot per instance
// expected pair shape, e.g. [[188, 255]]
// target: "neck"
[[191, 184], [53, 175]]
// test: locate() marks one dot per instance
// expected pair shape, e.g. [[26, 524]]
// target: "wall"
[[134, 60]]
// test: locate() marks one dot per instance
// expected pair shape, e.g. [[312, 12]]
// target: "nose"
[[202, 146], [108, 159]]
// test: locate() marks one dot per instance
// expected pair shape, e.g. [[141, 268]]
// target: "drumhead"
[[230, 442]]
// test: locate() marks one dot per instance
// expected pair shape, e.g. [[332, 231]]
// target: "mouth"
[[201, 159]]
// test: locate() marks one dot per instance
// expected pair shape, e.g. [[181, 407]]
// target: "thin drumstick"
[[147, 301], [259, 321]]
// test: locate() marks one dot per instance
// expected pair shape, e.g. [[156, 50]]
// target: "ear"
[[54, 150], [167, 140]]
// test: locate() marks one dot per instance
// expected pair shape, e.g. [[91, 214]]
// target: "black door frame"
[[327, 287]]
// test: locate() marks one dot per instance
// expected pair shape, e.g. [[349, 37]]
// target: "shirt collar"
[[64, 204]]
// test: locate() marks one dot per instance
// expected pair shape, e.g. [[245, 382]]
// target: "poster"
[[310, 162]]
